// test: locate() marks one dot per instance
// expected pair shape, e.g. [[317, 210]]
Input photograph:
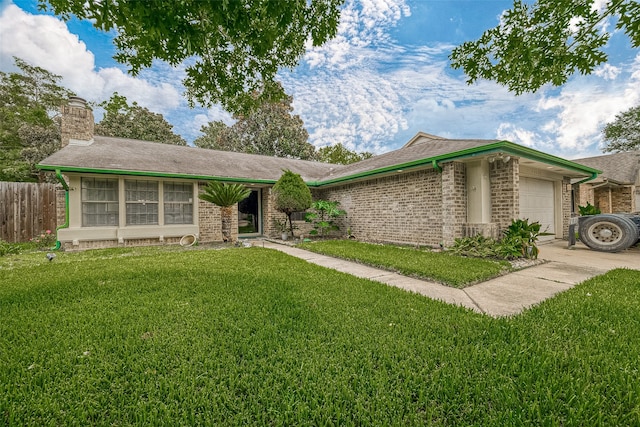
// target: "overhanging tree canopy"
[[545, 42], [231, 49]]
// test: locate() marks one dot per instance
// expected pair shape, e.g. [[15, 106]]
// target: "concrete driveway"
[[510, 294], [505, 295]]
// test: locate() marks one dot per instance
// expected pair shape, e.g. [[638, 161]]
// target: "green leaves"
[[133, 121], [232, 49], [340, 155], [29, 128], [323, 217], [623, 134], [224, 194], [545, 42], [291, 195], [270, 130]]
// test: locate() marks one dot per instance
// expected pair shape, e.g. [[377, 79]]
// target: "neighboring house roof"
[[620, 168], [133, 157]]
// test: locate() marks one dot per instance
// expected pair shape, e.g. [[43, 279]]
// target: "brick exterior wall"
[[404, 208], [454, 201], [505, 194], [582, 194], [76, 122], [210, 220], [566, 206], [104, 244], [61, 206], [622, 198]]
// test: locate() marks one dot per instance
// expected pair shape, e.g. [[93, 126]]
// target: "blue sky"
[[384, 78]]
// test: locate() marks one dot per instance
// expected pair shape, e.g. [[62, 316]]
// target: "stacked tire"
[[609, 232]]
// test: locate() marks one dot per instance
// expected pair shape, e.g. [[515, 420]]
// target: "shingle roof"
[[420, 150], [620, 167], [126, 155]]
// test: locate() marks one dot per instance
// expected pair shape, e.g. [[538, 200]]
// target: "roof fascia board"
[[155, 174], [504, 146]]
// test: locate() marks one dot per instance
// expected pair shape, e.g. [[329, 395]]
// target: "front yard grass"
[[250, 336], [441, 267]]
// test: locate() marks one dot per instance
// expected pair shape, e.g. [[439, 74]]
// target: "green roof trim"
[[499, 146], [433, 162], [154, 174]]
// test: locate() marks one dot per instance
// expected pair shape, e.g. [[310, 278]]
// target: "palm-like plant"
[[225, 196]]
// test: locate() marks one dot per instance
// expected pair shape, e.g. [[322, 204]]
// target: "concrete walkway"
[[503, 296]]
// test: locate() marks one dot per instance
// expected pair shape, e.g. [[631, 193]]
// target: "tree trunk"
[[226, 214]]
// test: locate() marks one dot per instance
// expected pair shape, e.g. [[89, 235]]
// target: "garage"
[[537, 202]]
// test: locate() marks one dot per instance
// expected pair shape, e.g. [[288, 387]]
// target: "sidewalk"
[[502, 296]]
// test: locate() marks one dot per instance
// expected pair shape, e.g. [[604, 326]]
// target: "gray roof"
[[621, 168], [424, 149], [127, 155]]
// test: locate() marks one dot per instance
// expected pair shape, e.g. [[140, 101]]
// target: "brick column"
[[454, 201], [505, 192]]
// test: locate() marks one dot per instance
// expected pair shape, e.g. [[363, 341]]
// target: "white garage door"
[[537, 202]]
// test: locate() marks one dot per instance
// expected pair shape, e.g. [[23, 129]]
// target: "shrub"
[[589, 209], [323, 216], [518, 241], [44, 240], [477, 246], [7, 248]]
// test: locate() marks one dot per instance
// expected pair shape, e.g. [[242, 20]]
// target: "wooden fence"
[[26, 210]]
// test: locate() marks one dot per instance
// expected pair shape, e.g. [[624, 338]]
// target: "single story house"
[[617, 189], [429, 192]]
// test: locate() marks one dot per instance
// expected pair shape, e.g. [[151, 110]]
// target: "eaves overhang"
[[434, 162], [74, 169], [504, 147]]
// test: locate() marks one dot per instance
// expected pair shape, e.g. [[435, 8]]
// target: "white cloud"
[[363, 23], [510, 132], [607, 72], [45, 41], [584, 106]]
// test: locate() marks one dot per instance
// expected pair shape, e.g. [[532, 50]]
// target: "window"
[[298, 216], [99, 202], [141, 199], [178, 203]]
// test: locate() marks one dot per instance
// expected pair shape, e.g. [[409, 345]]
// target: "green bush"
[[477, 246], [518, 241], [589, 209], [323, 216], [7, 248]]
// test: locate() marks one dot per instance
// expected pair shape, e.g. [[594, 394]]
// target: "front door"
[[249, 220]]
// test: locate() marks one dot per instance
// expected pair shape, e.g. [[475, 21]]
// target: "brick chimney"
[[76, 124]]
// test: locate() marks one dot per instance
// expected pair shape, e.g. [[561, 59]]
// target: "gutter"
[[496, 147], [582, 181], [66, 208], [434, 162]]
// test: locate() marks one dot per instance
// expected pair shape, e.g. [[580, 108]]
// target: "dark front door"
[[249, 214]]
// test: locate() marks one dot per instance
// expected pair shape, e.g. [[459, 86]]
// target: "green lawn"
[[250, 336], [437, 266]]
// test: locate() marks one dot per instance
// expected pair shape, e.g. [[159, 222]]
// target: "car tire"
[[607, 232]]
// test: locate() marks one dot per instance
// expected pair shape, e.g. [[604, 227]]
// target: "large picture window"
[[141, 199], [178, 203], [99, 202]]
